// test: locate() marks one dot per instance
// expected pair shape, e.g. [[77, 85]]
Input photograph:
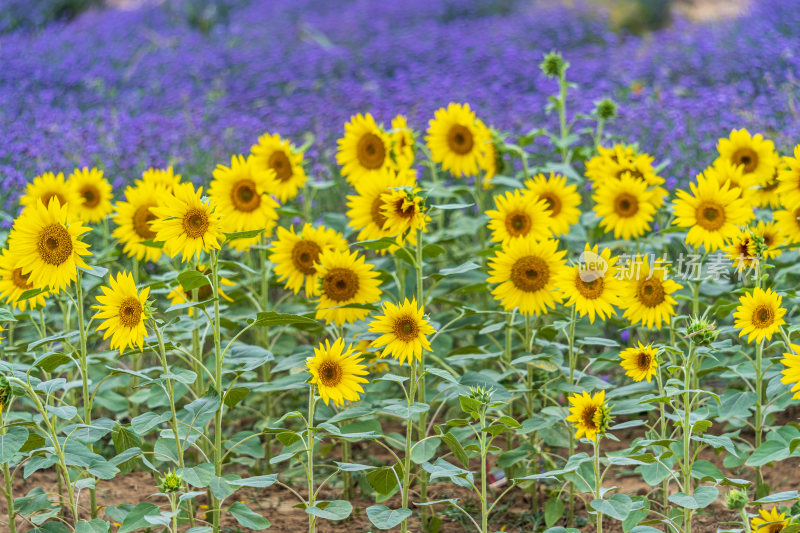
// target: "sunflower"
[[491, 163], [240, 194], [187, 223], [13, 283], [592, 285], [404, 212], [457, 139], [604, 164], [158, 177], [364, 151], [403, 330], [402, 142], [295, 255], [563, 201], [278, 155], [179, 296], [640, 362], [624, 207], [589, 414], [742, 250], [756, 154], [519, 214], [767, 195], [95, 193], [760, 314], [366, 212], [788, 221], [621, 160], [791, 372], [337, 372], [647, 297], [527, 271], [788, 190], [46, 246], [713, 212], [124, 311], [133, 218], [775, 520], [345, 279], [724, 172], [48, 186], [772, 236]]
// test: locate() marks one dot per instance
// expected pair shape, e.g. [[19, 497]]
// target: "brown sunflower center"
[[589, 289], [643, 361], [651, 292], [21, 280], [530, 273], [405, 209], [747, 157], [763, 316], [370, 151], [304, 255], [195, 223], [587, 417], [459, 139], [91, 196], [518, 223], [244, 196], [710, 215], [340, 284], [406, 328], [280, 163], [130, 312], [626, 205], [55, 244], [141, 221], [768, 239], [774, 528], [46, 197], [635, 174], [376, 211], [553, 203], [330, 373]]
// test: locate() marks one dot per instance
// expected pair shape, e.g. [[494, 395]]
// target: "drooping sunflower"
[[457, 139], [134, 216], [404, 212], [95, 193], [724, 172], [337, 371], [402, 142], [45, 244], [562, 200], [366, 212], [13, 284], [755, 153], [791, 371], [47, 186], [278, 155], [639, 362], [345, 279], [403, 330], [295, 255], [527, 271], [592, 285], [775, 521], [589, 415], [647, 297], [158, 177], [712, 212], [519, 214], [364, 151], [760, 314], [187, 223], [124, 311], [624, 206]]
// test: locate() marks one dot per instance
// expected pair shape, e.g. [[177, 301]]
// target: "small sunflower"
[[648, 297], [772, 236], [592, 285], [364, 151], [518, 214], [563, 201], [403, 330], [295, 255], [776, 521], [789, 179], [187, 223], [724, 172], [124, 311], [278, 155], [48, 186], [402, 142], [621, 160], [624, 207], [760, 314], [791, 372], [95, 193], [158, 177], [345, 279], [756, 154], [527, 272], [589, 414], [13, 284], [134, 216], [605, 164], [366, 212], [404, 212], [46, 246], [457, 139], [742, 250], [337, 372], [640, 362]]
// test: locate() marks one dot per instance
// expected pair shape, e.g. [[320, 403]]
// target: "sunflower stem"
[[312, 520], [266, 369], [87, 399], [759, 415], [409, 440], [218, 387], [573, 361], [597, 483], [687, 438], [423, 417], [662, 435]]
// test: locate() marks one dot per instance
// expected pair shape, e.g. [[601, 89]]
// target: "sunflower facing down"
[[519, 214], [402, 142], [364, 151], [295, 255], [47, 186], [624, 206], [337, 372], [124, 311], [562, 200], [278, 155], [187, 223], [756, 154], [527, 272], [791, 372], [592, 285], [589, 414], [648, 297], [13, 283], [158, 177], [95, 193], [404, 212], [365, 209], [46, 246], [640, 362], [345, 279], [134, 216], [457, 139], [776, 521], [403, 330], [760, 314]]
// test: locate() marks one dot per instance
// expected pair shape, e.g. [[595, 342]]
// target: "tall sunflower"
[[592, 285], [519, 214], [48, 186], [563, 201], [278, 155], [345, 279], [364, 151], [159, 177], [589, 415], [187, 223], [13, 284], [366, 211], [755, 153], [124, 311], [624, 207], [95, 193], [527, 271], [46, 246], [791, 371], [457, 139], [760, 314], [134, 216], [402, 142], [295, 255], [404, 212], [647, 297], [640, 362], [775, 521], [337, 371], [742, 250], [403, 331]]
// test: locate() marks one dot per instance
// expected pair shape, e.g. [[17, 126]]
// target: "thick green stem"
[[573, 362], [423, 417], [266, 369], [409, 441], [484, 493], [9, 492], [87, 399], [215, 507], [598, 489], [759, 416], [687, 436], [663, 435], [312, 520], [562, 116]]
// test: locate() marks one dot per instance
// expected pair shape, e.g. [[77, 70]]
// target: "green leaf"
[[235, 395], [618, 506], [12, 442], [553, 510], [135, 519], [236, 235], [255, 481], [384, 518], [335, 510], [702, 498], [192, 279], [383, 479], [67, 412], [199, 476], [272, 318], [451, 207], [778, 497], [424, 450], [769, 451], [460, 269], [92, 526], [455, 446], [247, 518]]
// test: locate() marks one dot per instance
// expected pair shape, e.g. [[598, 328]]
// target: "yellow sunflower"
[[767, 195], [284, 160], [457, 139], [134, 216], [603, 165], [95, 193], [404, 212], [791, 372], [771, 234], [46, 246], [48, 186], [124, 311], [13, 283], [345, 279], [723, 172], [760, 314], [647, 297], [403, 330], [756, 154], [742, 250], [789, 179], [187, 223], [366, 212], [337, 371], [624, 207], [589, 415], [621, 160], [364, 151], [592, 285], [402, 142], [519, 214], [640, 362], [158, 177], [776, 521], [713, 212], [527, 271], [179, 296], [490, 163], [788, 221], [295, 255], [563, 201]]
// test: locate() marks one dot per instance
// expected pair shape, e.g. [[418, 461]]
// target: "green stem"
[[597, 483], [687, 436], [409, 440], [663, 435], [312, 520], [420, 387], [562, 115], [87, 399], [266, 369], [759, 408], [218, 386], [484, 494], [573, 362], [9, 492]]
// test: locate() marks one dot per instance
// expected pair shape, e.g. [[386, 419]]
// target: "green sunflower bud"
[[701, 331], [5, 392], [553, 65], [170, 482], [736, 500], [606, 109]]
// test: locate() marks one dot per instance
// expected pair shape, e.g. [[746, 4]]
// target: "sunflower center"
[[626, 205], [340, 284], [588, 417], [635, 174], [195, 223], [21, 280], [330, 373], [405, 209], [244, 196], [406, 328], [46, 197], [774, 528], [370, 151], [91, 196], [376, 211], [710, 215], [281, 165], [518, 223], [55, 244], [142, 218], [553, 203], [763, 316], [643, 361], [651, 292], [130, 312], [747, 157], [530, 273], [459, 139], [304, 255], [589, 289]]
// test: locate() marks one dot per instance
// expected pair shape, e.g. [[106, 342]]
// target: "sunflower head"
[[754, 153], [403, 141], [47, 187], [592, 285], [124, 311], [519, 214], [624, 206], [759, 314], [170, 482], [606, 109], [736, 500], [14, 283], [94, 192], [187, 223], [769, 521], [403, 331], [701, 331], [647, 297], [640, 362], [563, 201], [590, 415], [365, 149], [458, 139], [554, 65], [134, 216], [337, 372], [158, 177], [295, 255], [346, 281], [286, 163]]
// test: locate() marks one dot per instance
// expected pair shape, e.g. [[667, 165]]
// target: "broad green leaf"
[[12, 442], [135, 519], [618, 506], [247, 518], [335, 510], [384, 518]]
